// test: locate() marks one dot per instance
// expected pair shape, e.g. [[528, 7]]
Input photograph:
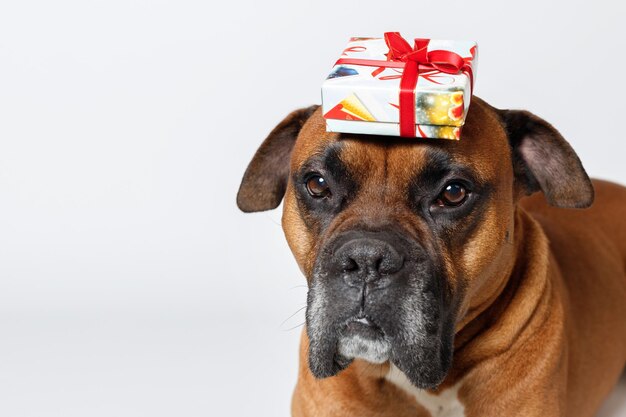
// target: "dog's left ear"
[[544, 161], [265, 181]]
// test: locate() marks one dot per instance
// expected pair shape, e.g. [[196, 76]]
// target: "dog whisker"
[[298, 286], [294, 327], [291, 316]]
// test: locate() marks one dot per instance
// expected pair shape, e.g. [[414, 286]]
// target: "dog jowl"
[[401, 240]]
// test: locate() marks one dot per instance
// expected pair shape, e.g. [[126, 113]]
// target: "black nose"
[[367, 260]]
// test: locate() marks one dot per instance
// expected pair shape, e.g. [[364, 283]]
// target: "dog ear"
[[544, 161], [265, 180]]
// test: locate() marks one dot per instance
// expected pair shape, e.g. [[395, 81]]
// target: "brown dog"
[[435, 287]]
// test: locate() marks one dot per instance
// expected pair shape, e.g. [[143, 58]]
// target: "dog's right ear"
[[265, 180]]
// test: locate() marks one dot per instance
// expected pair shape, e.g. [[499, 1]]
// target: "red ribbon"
[[414, 60]]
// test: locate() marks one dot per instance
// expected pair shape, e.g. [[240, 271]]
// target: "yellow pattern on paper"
[[438, 113], [353, 106]]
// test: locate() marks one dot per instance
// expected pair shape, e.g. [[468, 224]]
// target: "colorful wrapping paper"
[[368, 90]]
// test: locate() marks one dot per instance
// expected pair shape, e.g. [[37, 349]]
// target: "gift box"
[[385, 86]]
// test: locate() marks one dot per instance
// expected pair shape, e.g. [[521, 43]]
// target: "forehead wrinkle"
[[381, 185], [363, 158], [367, 160], [312, 140], [322, 158], [440, 165], [438, 159], [404, 160]]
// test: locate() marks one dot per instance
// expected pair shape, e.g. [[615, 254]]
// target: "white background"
[[130, 285]]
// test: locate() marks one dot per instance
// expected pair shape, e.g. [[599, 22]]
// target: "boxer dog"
[[436, 287]]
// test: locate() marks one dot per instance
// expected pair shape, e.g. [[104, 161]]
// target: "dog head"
[[400, 238]]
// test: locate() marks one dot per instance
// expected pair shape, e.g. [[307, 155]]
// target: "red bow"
[[413, 61]]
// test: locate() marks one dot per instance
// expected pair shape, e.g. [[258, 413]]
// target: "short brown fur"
[[541, 330]]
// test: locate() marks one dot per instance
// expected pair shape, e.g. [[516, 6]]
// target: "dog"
[[448, 278]]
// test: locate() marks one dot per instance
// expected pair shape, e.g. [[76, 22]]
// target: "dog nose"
[[367, 260]]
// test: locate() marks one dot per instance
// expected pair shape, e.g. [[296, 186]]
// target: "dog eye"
[[453, 195], [317, 186]]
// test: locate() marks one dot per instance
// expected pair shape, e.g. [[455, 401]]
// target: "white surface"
[[129, 283]]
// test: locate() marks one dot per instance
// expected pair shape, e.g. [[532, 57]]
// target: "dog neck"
[[492, 326]]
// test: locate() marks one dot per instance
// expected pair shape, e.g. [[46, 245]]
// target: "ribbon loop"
[[398, 46], [446, 61]]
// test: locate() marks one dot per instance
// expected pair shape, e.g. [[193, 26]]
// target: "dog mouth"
[[389, 307], [363, 327], [362, 338], [414, 332]]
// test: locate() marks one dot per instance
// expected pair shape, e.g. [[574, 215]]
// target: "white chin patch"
[[355, 346]]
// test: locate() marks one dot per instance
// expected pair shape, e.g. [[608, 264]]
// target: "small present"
[[385, 86]]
